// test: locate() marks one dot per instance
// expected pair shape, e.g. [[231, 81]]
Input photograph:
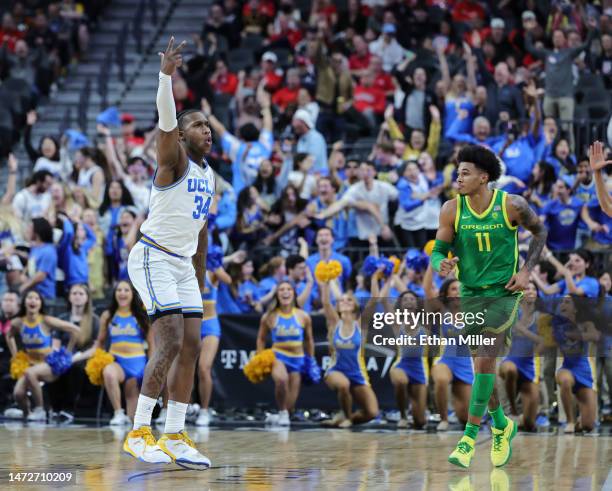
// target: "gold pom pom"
[[19, 364], [96, 364], [334, 269], [396, 263], [260, 366], [322, 272]]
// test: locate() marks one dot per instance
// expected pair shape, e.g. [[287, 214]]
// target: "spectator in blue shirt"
[[301, 278], [43, 260], [561, 216], [310, 141], [481, 131], [562, 159], [575, 279], [253, 146], [325, 252], [271, 274], [599, 223], [326, 196], [540, 185], [78, 268]]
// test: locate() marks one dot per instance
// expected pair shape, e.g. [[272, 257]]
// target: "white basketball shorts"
[[165, 281]]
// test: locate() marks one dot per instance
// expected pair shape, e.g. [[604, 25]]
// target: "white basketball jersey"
[[178, 212]]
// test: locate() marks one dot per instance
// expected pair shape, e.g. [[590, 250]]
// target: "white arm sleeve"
[[165, 104]]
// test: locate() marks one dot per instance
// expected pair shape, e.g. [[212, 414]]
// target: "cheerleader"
[[453, 366], [347, 375], [34, 328], [521, 368], [124, 328], [577, 377], [291, 332], [211, 327], [410, 372]]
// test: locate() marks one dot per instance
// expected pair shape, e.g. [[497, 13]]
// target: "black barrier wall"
[[233, 390]]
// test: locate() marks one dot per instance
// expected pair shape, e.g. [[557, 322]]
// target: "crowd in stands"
[[335, 132]]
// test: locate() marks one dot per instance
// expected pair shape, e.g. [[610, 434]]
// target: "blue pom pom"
[[59, 361], [214, 257], [387, 264], [417, 260], [311, 373], [370, 265]]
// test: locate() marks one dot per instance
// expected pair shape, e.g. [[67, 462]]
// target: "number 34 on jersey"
[[201, 207]]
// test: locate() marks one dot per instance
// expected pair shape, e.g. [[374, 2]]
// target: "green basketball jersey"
[[486, 244]]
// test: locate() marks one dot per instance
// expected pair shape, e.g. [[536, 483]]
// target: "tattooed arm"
[[521, 214]]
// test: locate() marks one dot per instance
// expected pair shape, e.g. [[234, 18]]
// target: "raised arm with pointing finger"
[[598, 162]]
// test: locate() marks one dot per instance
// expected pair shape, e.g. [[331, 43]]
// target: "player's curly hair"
[[483, 158]]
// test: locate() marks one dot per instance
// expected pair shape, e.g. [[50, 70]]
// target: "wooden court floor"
[[258, 460]]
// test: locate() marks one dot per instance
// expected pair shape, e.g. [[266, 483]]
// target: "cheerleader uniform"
[[578, 356], [456, 358], [347, 356], [288, 332], [210, 323], [523, 356], [127, 345], [36, 342], [413, 361]]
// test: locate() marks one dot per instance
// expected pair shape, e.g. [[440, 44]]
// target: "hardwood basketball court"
[[308, 459]]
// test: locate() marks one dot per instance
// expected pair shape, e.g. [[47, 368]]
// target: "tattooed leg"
[[168, 333]]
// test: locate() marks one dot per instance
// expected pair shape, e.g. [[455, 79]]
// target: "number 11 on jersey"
[[483, 236]]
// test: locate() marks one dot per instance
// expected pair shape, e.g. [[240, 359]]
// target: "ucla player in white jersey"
[[167, 267]]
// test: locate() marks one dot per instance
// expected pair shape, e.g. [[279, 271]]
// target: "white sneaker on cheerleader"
[[283, 418], [203, 418], [271, 419], [120, 419], [13, 413], [442, 426], [403, 423], [141, 445], [38, 414], [161, 419], [193, 411], [183, 451]]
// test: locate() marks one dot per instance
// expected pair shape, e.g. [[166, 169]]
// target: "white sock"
[[204, 410], [144, 410], [283, 412], [119, 411], [175, 419]]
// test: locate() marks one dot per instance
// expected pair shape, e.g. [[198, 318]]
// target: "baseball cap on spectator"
[[304, 116], [269, 56], [528, 14], [497, 23], [388, 28], [127, 118]]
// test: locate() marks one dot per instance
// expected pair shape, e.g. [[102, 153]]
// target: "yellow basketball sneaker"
[[183, 451], [141, 445], [501, 449], [463, 453]]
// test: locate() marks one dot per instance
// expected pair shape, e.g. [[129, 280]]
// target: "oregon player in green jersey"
[[480, 227]]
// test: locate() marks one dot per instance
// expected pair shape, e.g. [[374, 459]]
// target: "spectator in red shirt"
[[256, 15], [368, 99], [359, 61], [272, 75], [289, 93], [382, 79], [9, 34], [468, 11], [222, 80]]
